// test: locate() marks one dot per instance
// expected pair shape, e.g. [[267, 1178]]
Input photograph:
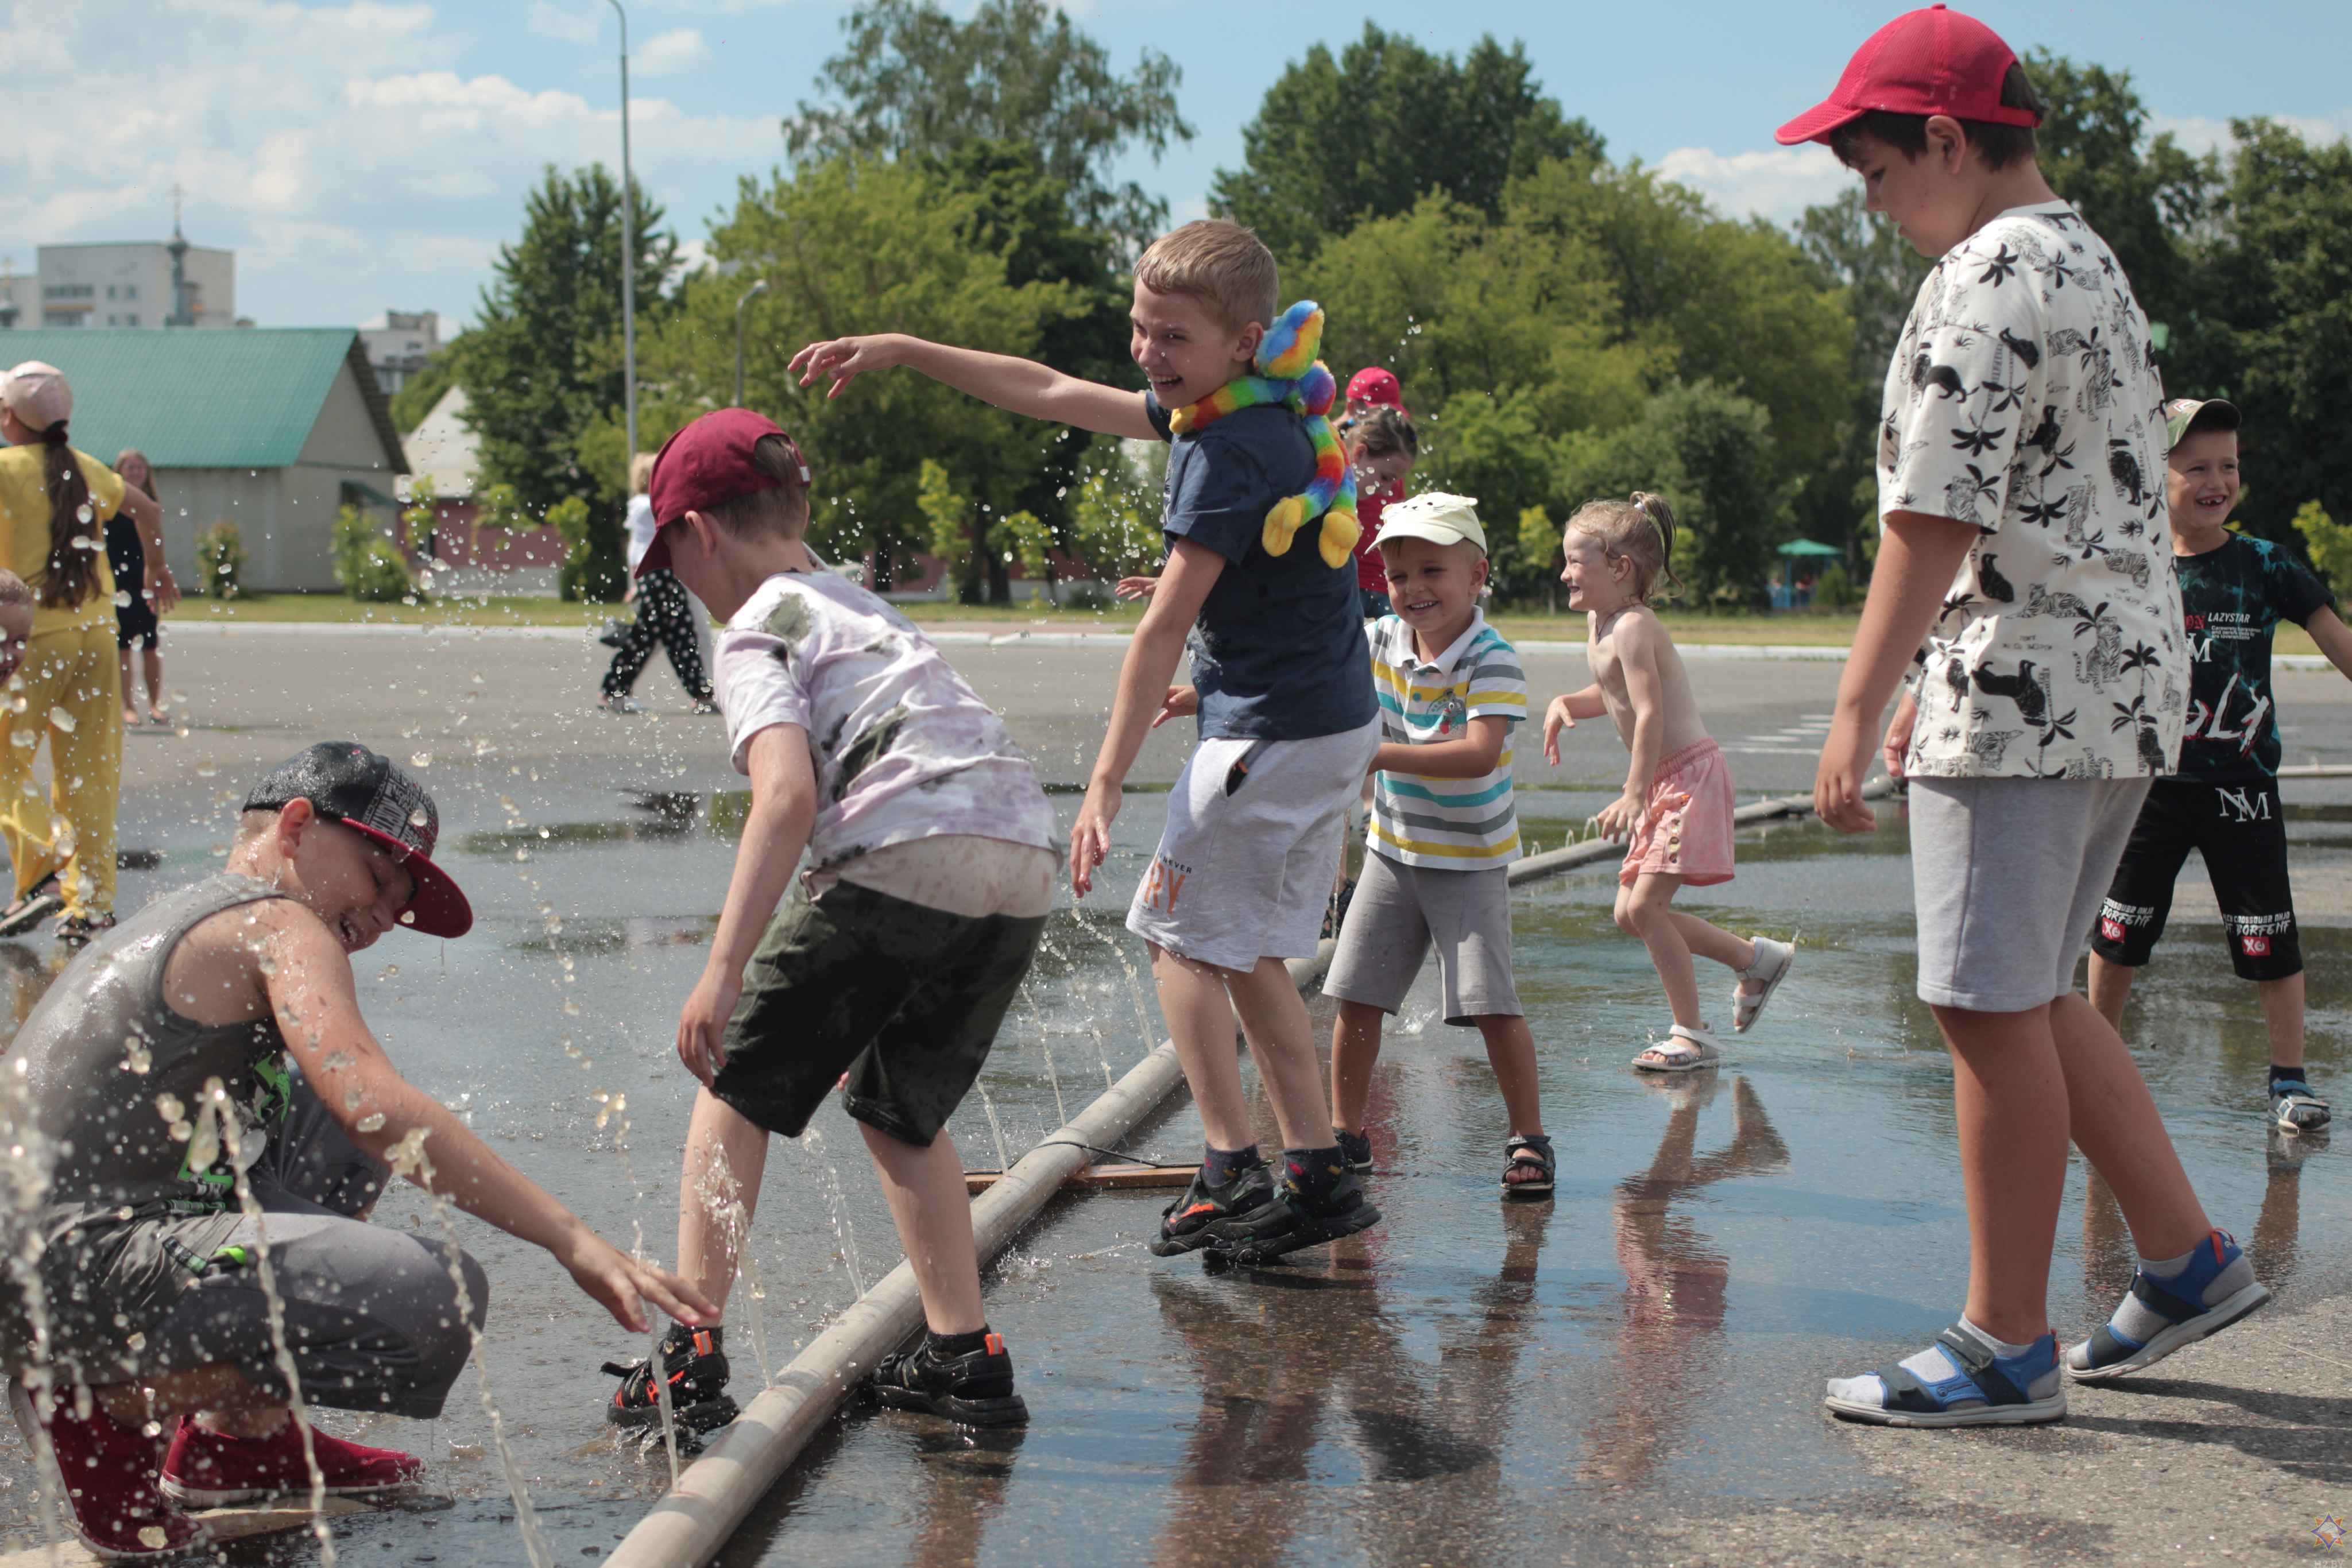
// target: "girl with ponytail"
[[55, 502], [1677, 807]]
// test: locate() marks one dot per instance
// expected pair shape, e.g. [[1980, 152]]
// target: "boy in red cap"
[[931, 870], [2021, 505], [213, 1041]]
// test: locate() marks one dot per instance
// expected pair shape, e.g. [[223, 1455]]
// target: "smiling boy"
[[2224, 799], [238, 992], [1443, 832], [1287, 724], [2022, 420]]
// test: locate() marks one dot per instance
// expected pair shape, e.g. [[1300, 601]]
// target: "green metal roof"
[[243, 397]]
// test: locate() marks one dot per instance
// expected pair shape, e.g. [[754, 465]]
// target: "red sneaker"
[[208, 1469], [109, 1474]]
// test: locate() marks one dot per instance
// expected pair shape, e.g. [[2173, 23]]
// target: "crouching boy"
[[153, 1082], [931, 870]]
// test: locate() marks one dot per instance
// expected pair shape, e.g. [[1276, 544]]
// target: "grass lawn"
[[1805, 628]]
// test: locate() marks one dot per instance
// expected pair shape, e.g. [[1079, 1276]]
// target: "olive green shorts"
[[905, 997]]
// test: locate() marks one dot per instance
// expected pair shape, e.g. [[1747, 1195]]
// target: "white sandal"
[[1773, 962], [1686, 1049]]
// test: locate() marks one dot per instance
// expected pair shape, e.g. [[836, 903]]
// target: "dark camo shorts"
[[907, 998]]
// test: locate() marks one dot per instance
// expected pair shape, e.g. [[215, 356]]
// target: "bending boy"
[[147, 1265], [1287, 724], [2021, 422]]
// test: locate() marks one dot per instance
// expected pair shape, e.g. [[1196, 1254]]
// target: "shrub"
[[1834, 589], [367, 564], [2329, 544], [220, 562]]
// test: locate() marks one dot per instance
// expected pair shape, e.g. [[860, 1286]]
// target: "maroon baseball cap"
[[1935, 61], [1373, 384], [347, 783], [705, 464]]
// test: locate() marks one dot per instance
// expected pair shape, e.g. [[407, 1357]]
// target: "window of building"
[[130, 291], [132, 320]]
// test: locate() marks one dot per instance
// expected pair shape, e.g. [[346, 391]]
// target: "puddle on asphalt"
[[1466, 1377]]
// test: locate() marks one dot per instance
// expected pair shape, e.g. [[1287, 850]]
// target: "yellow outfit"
[[71, 689]]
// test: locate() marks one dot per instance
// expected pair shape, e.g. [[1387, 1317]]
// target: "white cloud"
[[1777, 185], [2199, 133], [665, 53], [572, 23], [338, 149]]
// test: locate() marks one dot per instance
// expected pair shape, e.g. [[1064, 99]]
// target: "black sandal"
[[1518, 1153]]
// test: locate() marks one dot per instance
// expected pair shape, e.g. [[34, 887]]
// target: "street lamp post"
[[749, 295], [629, 245]]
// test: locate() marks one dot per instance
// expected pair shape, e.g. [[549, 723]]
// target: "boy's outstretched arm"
[[784, 808], [1024, 386], [1918, 556], [1143, 690], [311, 991], [2335, 638]]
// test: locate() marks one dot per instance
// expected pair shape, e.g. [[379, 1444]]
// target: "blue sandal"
[[1983, 1390]]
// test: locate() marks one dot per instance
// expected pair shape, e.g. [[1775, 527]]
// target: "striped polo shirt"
[[1458, 824]]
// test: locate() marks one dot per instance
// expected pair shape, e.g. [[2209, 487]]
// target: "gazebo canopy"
[[1809, 546]]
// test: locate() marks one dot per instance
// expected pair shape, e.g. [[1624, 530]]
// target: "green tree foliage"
[[855, 247], [913, 78], [2329, 545], [367, 563], [542, 365], [220, 562], [1386, 123]]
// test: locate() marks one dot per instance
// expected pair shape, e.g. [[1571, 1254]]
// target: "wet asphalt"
[[1629, 1372]]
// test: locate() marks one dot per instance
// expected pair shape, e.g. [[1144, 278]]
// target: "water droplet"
[[206, 770], [61, 719], [122, 599], [85, 514], [522, 854], [571, 1008], [420, 818], [168, 1106], [391, 972], [420, 759], [351, 1098], [371, 1122]]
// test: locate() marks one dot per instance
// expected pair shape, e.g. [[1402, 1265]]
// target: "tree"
[[914, 79], [852, 245], [1369, 134], [543, 364]]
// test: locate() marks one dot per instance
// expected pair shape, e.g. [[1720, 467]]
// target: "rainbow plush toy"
[[1291, 375]]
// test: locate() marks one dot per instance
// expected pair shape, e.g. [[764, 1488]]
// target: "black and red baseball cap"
[[347, 783], [705, 464], [1933, 61]]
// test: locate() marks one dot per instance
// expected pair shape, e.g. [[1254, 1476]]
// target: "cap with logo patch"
[[2184, 415], [1932, 61], [706, 465], [347, 783], [1435, 515]]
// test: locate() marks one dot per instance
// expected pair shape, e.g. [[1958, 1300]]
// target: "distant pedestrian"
[[1382, 445], [134, 616], [54, 501], [665, 613]]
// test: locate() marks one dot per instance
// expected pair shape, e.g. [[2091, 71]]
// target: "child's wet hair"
[[1224, 266], [1639, 529], [783, 510], [1997, 145], [1385, 433]]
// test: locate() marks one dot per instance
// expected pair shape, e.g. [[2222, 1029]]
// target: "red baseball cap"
[[1934, 61], [708, 463], [1373, 384]]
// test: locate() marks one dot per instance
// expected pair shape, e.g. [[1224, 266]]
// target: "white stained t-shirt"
[[2023, 399], [904, 747]]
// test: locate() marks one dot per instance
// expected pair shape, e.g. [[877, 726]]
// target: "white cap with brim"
[[36, 394], [1436, 517]]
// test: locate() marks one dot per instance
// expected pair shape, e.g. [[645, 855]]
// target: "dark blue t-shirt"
[[1278, 651], [2232, 597]]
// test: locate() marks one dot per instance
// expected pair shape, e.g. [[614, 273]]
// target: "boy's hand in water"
[[702, 1023], [843, 359], [1182, 702], [1556, 719], [1619, 818], [1090, 835], [622, 1285], [1136, 587]]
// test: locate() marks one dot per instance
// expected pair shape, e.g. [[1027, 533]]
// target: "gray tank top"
[[111, 1072]]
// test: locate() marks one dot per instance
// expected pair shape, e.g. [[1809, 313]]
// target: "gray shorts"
[[1245, 864], [1400, 911], [2007, 875], [372, 1314]]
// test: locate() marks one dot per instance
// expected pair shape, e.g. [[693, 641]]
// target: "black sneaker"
[[1355, 1148], [975, 1388], [1190, 1222], [1294, 1220], [43, 901], [694, 1361]]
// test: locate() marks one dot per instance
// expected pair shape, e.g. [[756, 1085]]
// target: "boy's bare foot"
[[130, 718], [1528, 1166]]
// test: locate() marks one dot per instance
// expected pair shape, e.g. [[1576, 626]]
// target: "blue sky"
[[373, 154]]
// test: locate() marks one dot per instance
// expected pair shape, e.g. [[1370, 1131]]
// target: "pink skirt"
[[1687, 829]]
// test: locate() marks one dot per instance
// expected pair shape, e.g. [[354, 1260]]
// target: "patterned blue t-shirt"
[[2233, 598]]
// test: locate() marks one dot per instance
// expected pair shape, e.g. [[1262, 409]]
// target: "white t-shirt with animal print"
[[2025, 399]]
